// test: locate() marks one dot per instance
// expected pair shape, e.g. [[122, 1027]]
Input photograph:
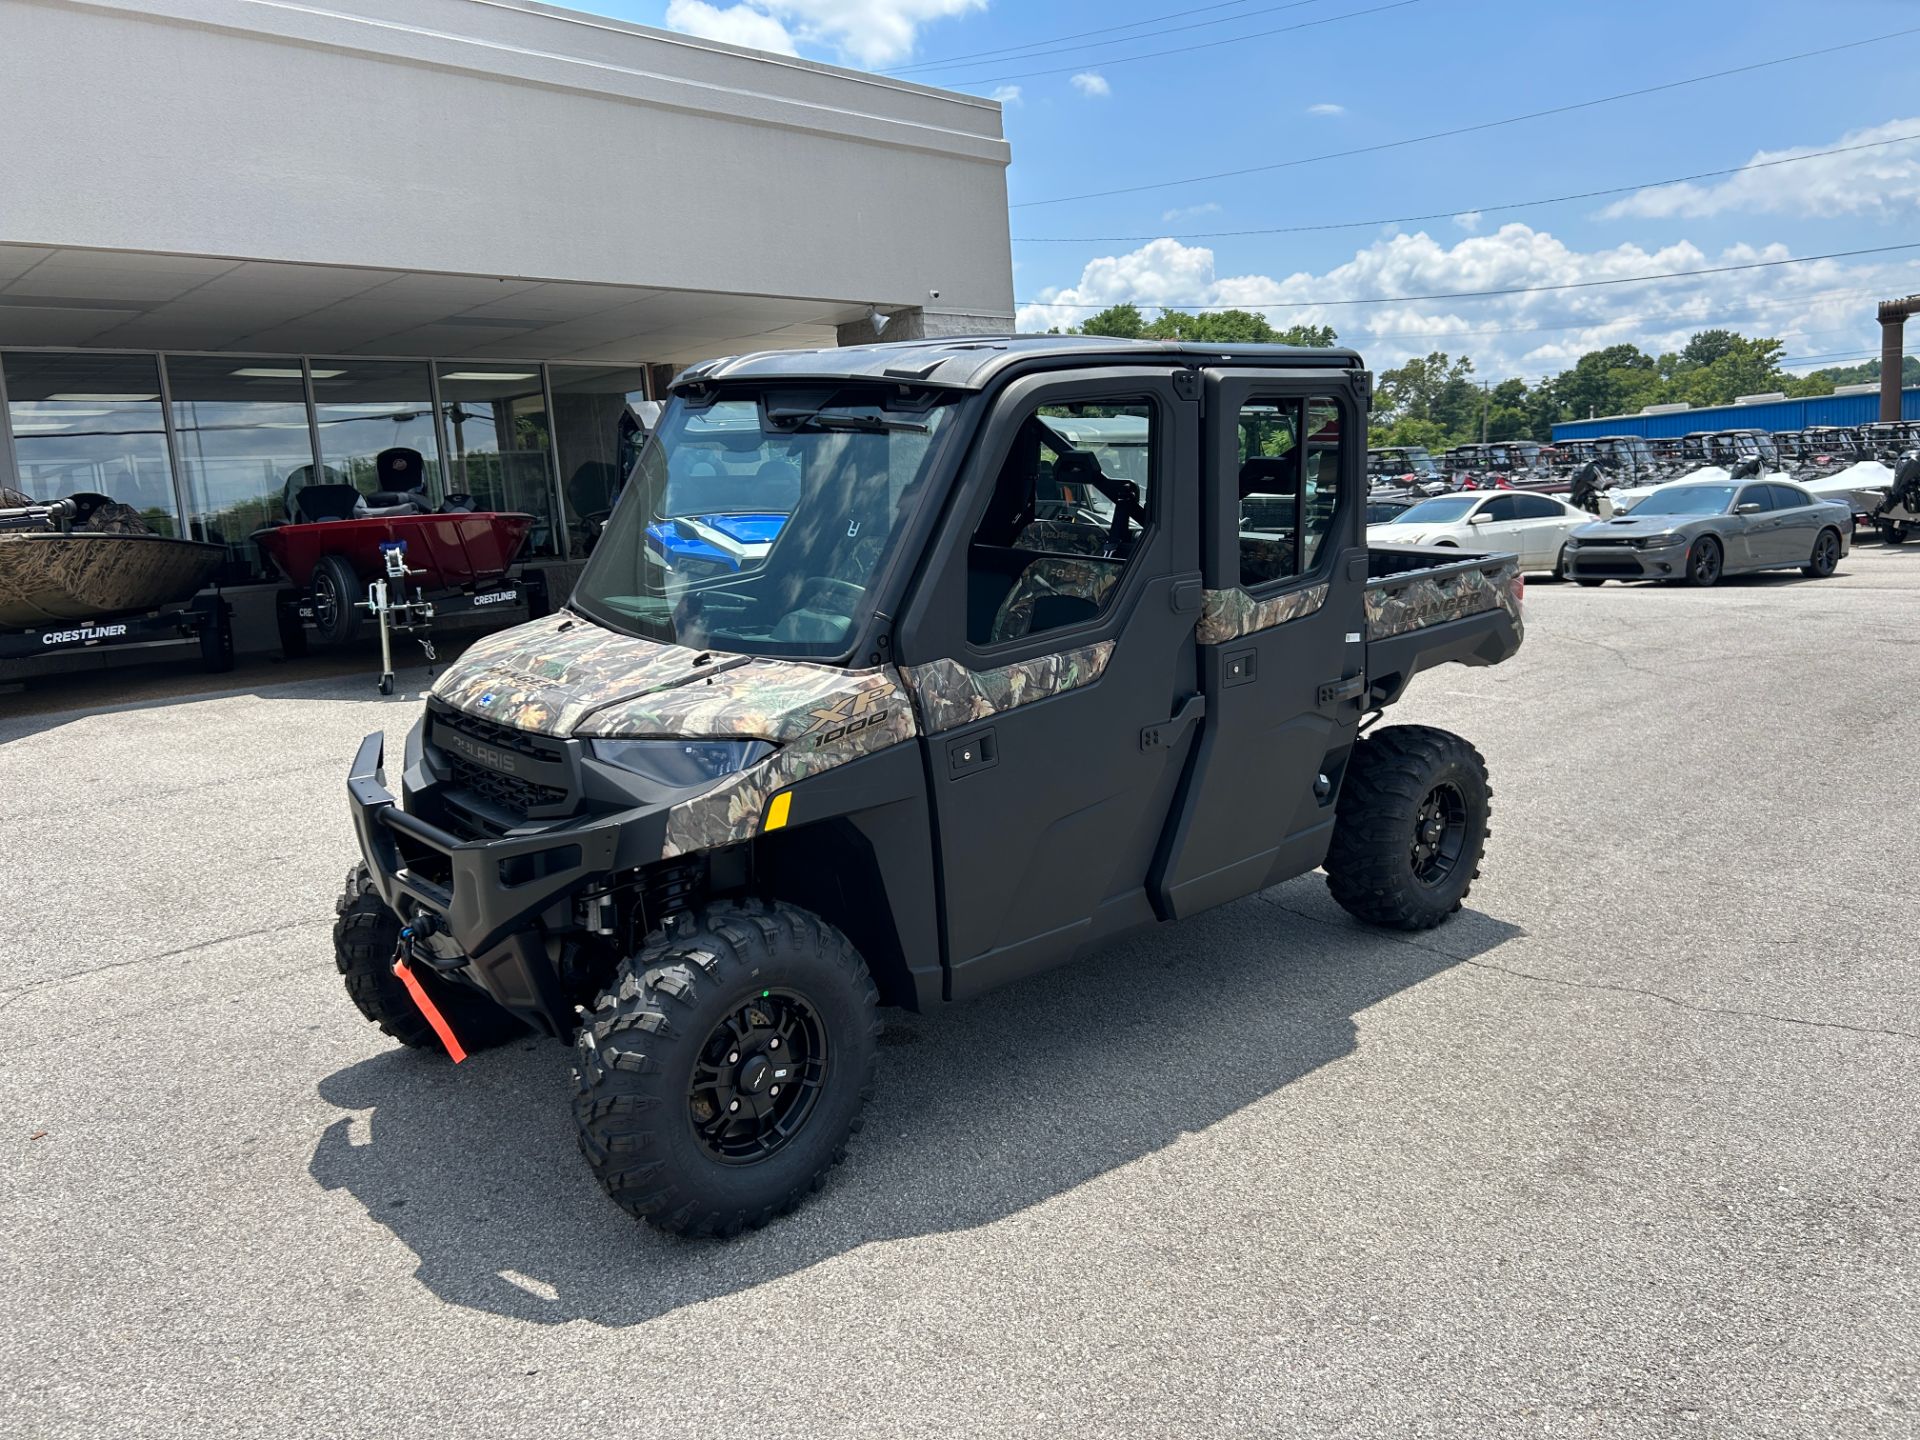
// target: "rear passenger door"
[[1798, 521], [1282, 638]]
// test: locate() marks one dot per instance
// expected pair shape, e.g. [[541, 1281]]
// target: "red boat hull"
[[449, 551]]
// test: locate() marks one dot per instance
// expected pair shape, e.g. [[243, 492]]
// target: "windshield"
[[759, 523], [1686, 500], [1438, 511]]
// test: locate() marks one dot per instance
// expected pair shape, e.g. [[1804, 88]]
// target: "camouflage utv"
[[989, 696]]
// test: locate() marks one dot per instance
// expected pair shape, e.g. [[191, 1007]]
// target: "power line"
[[1471, 129], [1486, 294], [1189, 49], [1041, 45], [1675, 321], [1040, 49], [1460, 209]]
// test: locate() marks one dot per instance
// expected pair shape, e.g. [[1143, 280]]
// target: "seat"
[[399, 469], [1052, 592], [314, 503], [1062, 537]]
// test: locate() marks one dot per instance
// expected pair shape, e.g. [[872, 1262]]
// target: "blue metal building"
[[1757, 415]]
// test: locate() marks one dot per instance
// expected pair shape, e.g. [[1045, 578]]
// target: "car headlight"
[[1656, 542], [682, 762]]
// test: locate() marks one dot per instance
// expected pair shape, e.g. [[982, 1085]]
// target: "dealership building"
[[244, 243]]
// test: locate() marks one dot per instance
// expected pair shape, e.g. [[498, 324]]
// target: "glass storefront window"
[[91, 424], [367, 407], [598, 431], [499, 447], [240, 428]]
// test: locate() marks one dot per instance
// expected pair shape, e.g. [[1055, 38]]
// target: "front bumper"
[[1627, 562], [484, 910]]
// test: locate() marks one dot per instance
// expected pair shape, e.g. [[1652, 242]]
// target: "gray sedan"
[[1699, 532]]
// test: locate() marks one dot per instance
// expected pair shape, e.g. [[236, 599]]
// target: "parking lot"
[[1628, 1148]]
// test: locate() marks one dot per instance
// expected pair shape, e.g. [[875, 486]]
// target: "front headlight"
[[1656, 542], [682, 762]]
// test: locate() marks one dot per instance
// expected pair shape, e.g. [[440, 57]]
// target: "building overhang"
[[55, 297]]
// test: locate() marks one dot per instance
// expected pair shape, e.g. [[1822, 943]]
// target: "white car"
[[1533, 526]]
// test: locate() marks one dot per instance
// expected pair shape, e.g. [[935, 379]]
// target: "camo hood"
[[565, 676]]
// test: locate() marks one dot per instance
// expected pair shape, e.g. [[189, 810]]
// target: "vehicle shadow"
[[982, 1111]]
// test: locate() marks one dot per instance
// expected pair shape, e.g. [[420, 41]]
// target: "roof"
[[971, 362]]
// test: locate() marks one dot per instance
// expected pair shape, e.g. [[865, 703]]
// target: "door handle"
[[1166, 736]]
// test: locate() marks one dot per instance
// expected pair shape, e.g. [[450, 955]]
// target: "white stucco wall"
[[478, 137]]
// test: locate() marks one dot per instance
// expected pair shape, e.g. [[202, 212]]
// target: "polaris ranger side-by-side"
[[988, 695]]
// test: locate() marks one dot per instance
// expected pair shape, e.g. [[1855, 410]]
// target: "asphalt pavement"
[[1628, 1148]]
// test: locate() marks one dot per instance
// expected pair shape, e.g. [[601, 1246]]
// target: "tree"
[[1123, 322], [1613, 381]]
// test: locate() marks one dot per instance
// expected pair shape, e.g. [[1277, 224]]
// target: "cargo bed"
[[1428, 605]]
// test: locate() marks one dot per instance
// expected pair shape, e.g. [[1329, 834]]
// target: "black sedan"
[[1697, 533]]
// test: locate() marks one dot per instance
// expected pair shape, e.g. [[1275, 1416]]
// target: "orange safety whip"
[[429, 1009]]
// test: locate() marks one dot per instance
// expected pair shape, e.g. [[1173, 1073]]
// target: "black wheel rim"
[[1828, 554], [1439, 834], [326, 603], [758, 1078], [1706, 561]]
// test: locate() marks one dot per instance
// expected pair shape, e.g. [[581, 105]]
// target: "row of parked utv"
[[1874, 468]]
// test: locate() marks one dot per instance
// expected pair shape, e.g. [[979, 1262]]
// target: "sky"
[[1109, 131]]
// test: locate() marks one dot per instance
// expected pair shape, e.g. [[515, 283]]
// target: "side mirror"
[[1747, 507], [1481, 519]]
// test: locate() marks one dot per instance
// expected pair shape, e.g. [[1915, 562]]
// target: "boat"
[[335, 541], [86, 558]]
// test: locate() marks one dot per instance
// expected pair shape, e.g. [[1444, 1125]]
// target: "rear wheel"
[[366, 937], [1704, 562], [721, 1075], [1826, 556], [336, 592], [1892, 532], [1410, 827]]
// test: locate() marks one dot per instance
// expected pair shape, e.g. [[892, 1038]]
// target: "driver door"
[[1049, 647]]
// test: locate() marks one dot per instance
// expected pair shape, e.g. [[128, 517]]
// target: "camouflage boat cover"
[[949, 695], [12, 499], [47, 578], [1434, 600], [1229, 614]]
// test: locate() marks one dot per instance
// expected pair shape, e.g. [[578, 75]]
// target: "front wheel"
[[1588, 581], [721, 1075], [1410, 827], [1892, 532], [1825, 558], [1704, 562]]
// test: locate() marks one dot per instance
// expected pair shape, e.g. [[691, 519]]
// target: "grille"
[[505, 736], [507, 791]]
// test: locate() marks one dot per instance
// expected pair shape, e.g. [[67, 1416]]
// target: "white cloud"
[[1326, 108], [867, 32], [1468, 220], [1091, 83], [1822, 307], [1006, 94], [1191, 212], [1883, 181], [734, 25]]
